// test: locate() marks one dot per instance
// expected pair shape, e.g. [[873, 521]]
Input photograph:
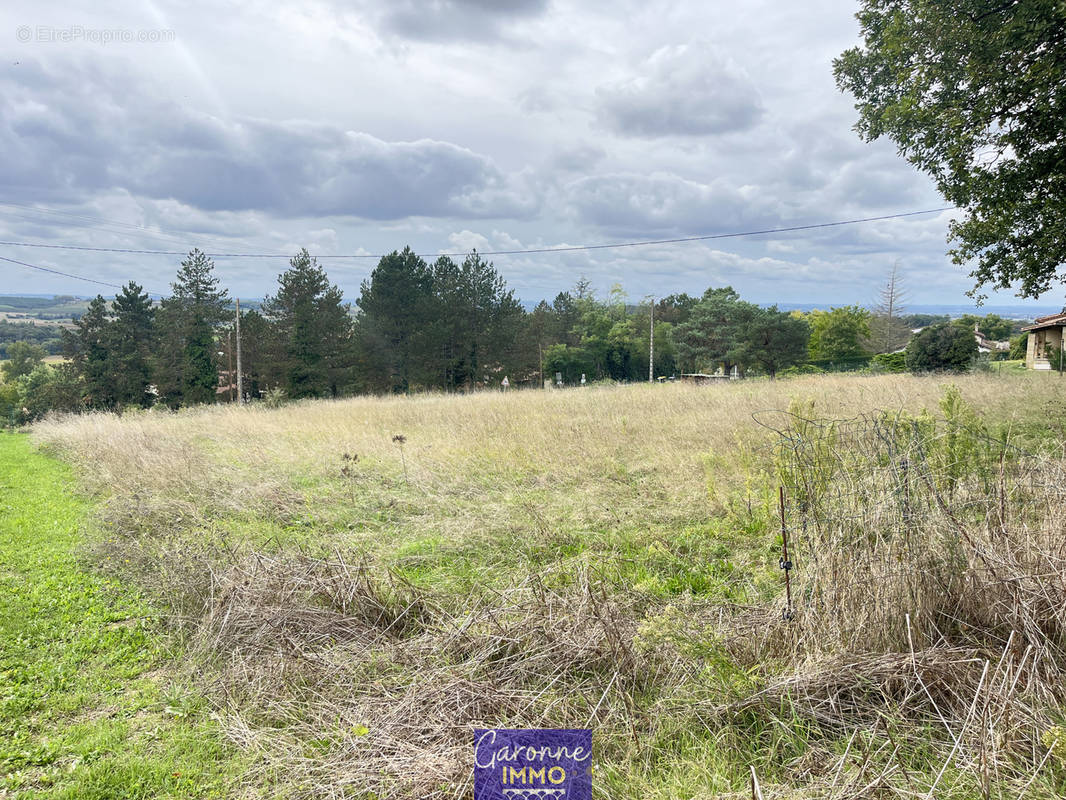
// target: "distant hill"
[[54, 308]]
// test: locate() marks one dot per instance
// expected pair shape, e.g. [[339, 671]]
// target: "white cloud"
[[464, 241]]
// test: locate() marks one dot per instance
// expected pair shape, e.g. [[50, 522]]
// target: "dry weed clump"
[[929, 590], [307, 605], [391, 684]]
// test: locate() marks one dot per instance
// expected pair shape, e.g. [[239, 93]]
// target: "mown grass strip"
[[87, 709]]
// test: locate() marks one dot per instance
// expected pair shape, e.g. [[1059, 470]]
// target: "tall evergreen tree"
[[491, 313], [187, 323], [130, 340], [537, 334], [168, 352], [261, 354], [772, 340], [314, 329], [88, 349], [710, 335], [450, 325], [566, 314], [395, 304]]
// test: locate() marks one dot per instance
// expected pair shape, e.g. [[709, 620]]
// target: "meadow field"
[[351, 587]]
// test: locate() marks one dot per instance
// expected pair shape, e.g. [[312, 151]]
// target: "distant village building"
[[1045, 335], [986, 345]]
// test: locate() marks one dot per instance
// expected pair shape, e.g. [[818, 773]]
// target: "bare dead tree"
[[888, 332]]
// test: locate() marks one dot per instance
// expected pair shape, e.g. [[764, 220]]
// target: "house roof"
[[990, 344], [1050, 321]]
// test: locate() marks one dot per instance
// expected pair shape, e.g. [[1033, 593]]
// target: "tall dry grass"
[[491, 462], [928, 586], [516, 561]]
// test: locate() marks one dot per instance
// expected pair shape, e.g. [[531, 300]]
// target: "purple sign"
[[532, 764]]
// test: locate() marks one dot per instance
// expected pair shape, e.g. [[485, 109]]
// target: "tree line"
[[440, 325], [47, 336]]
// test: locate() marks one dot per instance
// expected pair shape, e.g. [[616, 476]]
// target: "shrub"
[[1054, 357], [890, 362], [47, 388], [275, 397], [1018, 346], [10, 407], [941, 348]]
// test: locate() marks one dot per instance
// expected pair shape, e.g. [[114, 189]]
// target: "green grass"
[[86, 707], [1008, 367]]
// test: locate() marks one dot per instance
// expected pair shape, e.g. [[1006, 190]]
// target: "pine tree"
[[261, 354], [492, 315], [168, 352], [710, 335], [314, 329], [187, 366], [88, 349], [130, 341], [396, 303], [449, 328], [565, 316], [773, 340], [538, 326]]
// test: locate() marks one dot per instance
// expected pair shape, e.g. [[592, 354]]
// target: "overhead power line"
[[703, 238], [68, 274], [525, 251]]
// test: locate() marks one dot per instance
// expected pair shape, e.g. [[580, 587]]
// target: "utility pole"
[[229, 365], [651, 341], [540, 355], [240, 375]]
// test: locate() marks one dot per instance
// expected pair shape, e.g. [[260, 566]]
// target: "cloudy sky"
[[359, 126]]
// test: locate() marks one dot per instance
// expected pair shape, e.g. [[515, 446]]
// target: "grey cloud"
[[879, 183], [848, 187], [66, 132], [681, 90], [630, 202], [441, 20], [812, 174]]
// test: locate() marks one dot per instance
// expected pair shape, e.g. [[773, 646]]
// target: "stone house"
[[1045, 335]]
